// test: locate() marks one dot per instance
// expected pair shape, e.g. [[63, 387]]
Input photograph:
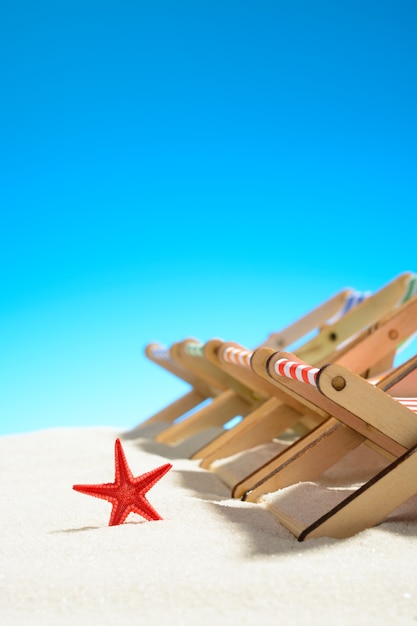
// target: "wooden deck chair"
[[286, 467], [321, 345], [168, 358], [200, 391], [397, 327], [275, 415], [363, 413], [364, 315]]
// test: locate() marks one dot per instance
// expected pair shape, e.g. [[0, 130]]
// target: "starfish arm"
[[147, 511], [106, 491], [123, 472], [144, 482], [140, 505], [119, 512]]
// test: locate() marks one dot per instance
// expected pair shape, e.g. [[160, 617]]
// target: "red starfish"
[[127, 493]]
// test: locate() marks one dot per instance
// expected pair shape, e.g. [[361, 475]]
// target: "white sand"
[[212, 560]]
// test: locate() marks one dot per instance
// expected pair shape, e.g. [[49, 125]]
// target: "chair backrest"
[[333, 308], [339, 335], [326, 313], [367, 313]]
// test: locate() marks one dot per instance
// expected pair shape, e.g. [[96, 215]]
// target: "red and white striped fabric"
[[410, 403], [297, 371], [237, 356], [308, 374]]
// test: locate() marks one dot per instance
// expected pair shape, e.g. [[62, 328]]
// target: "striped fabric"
[[304, 373], [410, 403], [297, 371], [354, 299], [194, 349], [410, 292], [160, 353], [411, 289], [237, 356]]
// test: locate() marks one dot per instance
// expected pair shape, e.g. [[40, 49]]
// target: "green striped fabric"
[[194, 348]]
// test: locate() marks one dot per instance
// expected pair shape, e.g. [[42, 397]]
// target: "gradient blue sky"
[[174, 169]]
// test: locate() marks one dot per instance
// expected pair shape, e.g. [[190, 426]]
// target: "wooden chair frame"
[[222, 409], [173, 360], [364, 413], [270, 476], [276, 414]]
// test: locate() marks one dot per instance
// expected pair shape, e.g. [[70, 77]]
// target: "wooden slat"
[[370, 504], [314, 320], [374, 412], [217, 413]]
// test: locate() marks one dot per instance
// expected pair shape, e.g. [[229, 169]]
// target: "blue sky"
[[174, 169]]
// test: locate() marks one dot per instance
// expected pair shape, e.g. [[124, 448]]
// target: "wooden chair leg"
[[262, 424], [371, 503], [220, 410], [306, 459], [171, 412]]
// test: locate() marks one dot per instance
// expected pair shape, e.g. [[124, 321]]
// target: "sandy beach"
[[212, 559]]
